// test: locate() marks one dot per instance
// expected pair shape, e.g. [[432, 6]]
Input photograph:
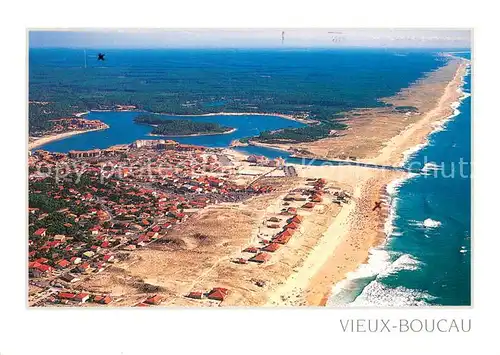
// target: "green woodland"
[[320, 84], [167, 127]]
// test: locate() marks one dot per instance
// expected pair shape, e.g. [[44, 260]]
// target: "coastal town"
[[240, 178], [160, 223], [93, 212]]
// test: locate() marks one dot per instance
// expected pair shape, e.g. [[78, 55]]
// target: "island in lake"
[[178, 128], [337, 189]]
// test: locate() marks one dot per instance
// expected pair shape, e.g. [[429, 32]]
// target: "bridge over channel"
[[320, 162]]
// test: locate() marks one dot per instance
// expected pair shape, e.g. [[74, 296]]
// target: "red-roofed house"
[[196, 294], [240, 261], [271, 247], [103, 299], [292, 225], [66, 295], [156, 229], [41, 270], [282, 238], [152, 235], [217, 294], [41, 232], [61, 264], [84, 267], [221, 289], [156, 299], [34, 265], [316, 198], [292, 210], [82, 297], [251, 250], [261, 258], [297, 219], [108, 257]]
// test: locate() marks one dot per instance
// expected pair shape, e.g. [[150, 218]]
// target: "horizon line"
[[252, 47]]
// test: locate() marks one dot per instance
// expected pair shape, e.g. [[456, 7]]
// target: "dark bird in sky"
[[282, 37], [100, 56], [377, 205]]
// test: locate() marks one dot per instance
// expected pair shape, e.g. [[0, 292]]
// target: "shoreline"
[[353, 235], [38, 142], [346, 243], [456, 96], [430, 123]]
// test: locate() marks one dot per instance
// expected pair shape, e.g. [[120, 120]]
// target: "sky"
[[248, 38]]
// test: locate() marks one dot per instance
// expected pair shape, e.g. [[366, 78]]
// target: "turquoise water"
[[417, 265], [421, 265]]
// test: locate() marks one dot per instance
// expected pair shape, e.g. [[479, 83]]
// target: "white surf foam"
[[410, 152], [375, 293], [431, 166], [404, 262], [439, 125], [378, 260], [430, 223], [378, 294], [379, 265], [392, 190]]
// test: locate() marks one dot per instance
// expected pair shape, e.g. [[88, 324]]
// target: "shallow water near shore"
[[426, 259]]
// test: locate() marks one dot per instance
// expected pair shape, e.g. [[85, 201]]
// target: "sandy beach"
[[346, 243], [37, 142], [334, 237]]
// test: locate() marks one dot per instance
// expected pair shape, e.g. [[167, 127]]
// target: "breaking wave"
[[438, 126], [430, 223], [404, 262], [381, 264], [431, 166], [378, 294], [369, 285], [425, 224]]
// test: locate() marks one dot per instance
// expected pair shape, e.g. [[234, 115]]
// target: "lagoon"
[[123, 130]]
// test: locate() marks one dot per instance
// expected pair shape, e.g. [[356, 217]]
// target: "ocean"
[[426, 258]]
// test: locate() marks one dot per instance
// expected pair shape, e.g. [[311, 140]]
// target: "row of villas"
[[292, 222]]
